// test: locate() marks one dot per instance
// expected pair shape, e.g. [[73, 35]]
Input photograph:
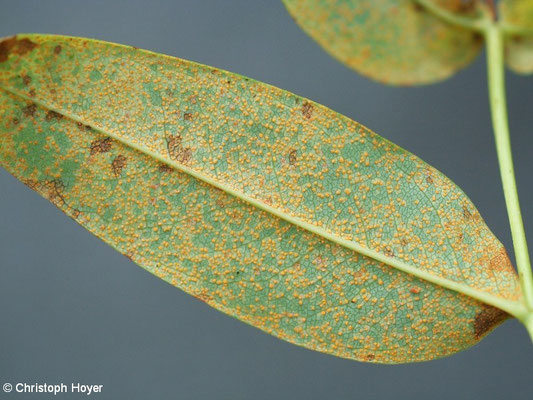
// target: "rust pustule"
[[13, 45], [487, 319]]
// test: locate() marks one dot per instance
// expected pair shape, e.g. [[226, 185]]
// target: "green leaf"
[[265, 205], [397, 42], [518, 45]]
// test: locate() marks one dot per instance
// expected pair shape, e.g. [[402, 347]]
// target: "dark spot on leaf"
[[187, 116], [429, 180], [307, 109], [370, 357], [165, 168], [32, 93], [26, 80], [82, 127], [29, 110], [466, 212], [50, 115], [13, 45], [293, 156], [118, 164], [5, 47], [24, 46], [101, 146], [57, 49], [53, 190], [487, 319], [389, 252], [478, 37], [417, 7], [16, 121], [176, 150]]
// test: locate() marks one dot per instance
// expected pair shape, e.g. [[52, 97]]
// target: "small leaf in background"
[[267, 206], [519, 47], [392, 41]]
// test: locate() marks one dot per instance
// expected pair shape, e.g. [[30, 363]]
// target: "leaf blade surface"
[[136, 147], [392, 41]]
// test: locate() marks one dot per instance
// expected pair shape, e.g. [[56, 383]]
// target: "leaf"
[[519, 47], [392, 41], [265, 205]]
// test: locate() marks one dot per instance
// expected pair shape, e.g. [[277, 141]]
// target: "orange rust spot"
[[500, 261], [415, 290]]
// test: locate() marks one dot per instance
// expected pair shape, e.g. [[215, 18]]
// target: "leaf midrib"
[[515, 308]]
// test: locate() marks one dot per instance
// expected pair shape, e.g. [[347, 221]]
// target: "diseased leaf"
[[519, 47], [267, 206], [392, 41]]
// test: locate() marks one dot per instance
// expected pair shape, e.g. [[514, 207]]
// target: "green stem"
[[496, 82]]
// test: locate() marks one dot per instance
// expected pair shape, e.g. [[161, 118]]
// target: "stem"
[[528, 322], [496, 81]]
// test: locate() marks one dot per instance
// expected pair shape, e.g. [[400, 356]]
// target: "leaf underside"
[[518, 47], [392, 41], [252, 199]]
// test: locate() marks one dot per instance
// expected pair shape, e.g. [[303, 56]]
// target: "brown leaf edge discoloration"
[[488, 319], [14, 45]]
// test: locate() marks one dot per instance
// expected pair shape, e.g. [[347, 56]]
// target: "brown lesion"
[[187, 116], [53, 190], [307, 109], [83, 127], [177, 151], [15, 46], [118, 164], [58, 49], [26, 80], [487, 319], [466, 213], [101, 146], [165, 168], [29, 110], [293, 157], [50, 115], [500, 261]]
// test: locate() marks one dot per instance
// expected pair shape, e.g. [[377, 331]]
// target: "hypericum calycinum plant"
[[268, 206]]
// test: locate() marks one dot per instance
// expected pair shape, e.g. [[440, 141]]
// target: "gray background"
[[74, 310]]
